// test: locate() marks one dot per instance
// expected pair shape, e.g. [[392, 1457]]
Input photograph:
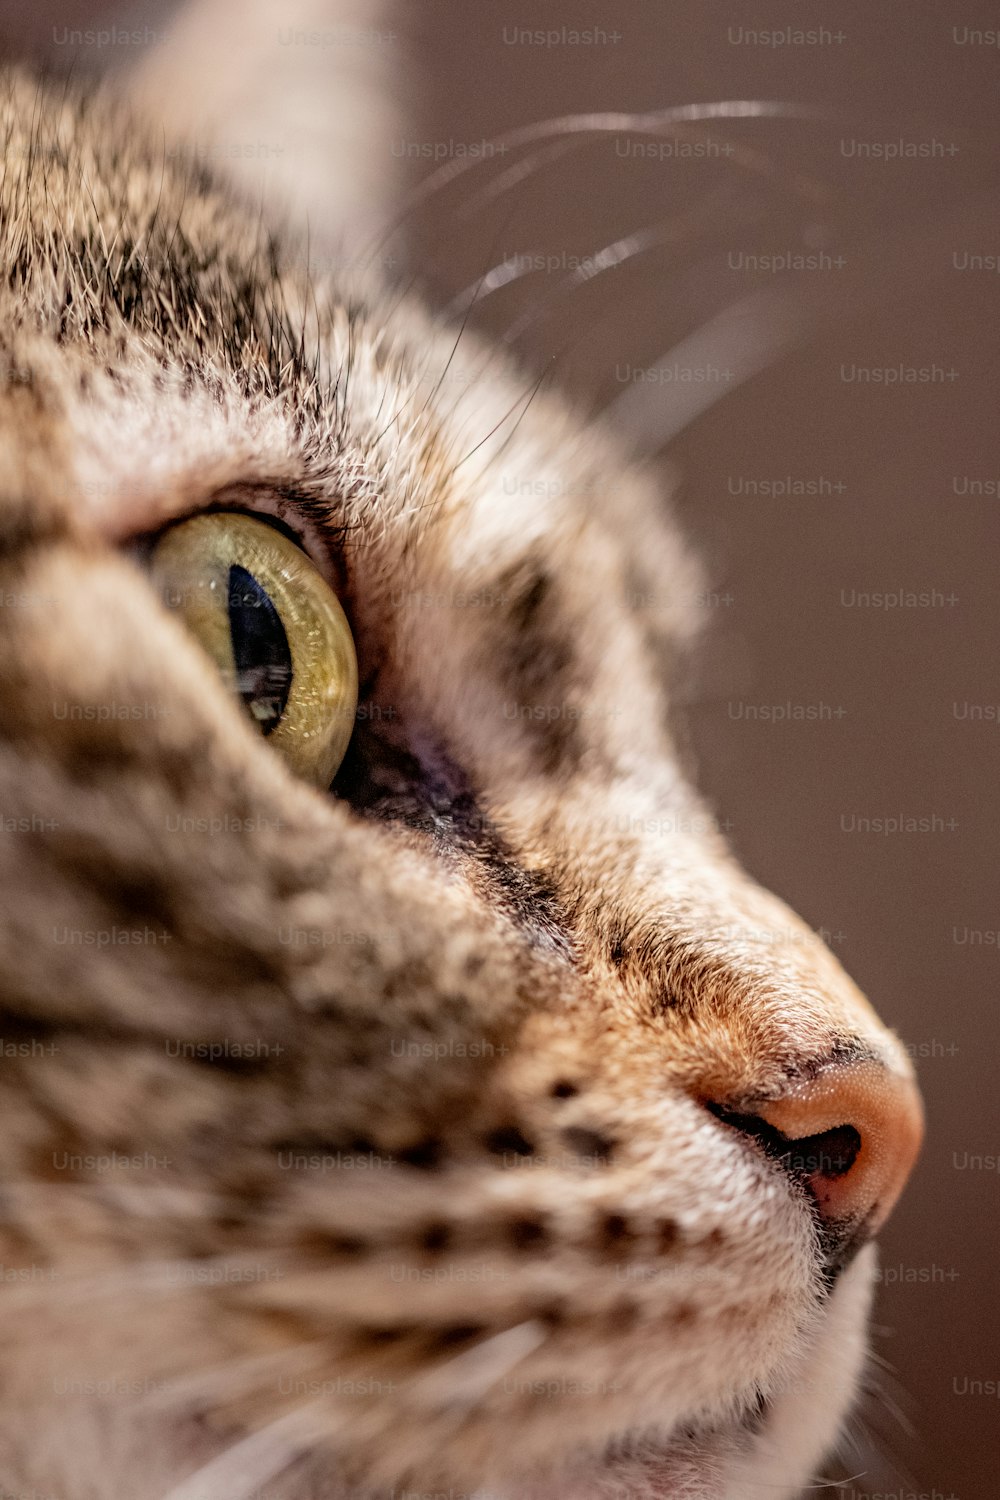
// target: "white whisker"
[[595, 124], [256, 1459], [463, 1381], [679, 230], [755, 332]]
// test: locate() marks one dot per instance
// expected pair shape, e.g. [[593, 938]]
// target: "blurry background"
[[807, 488]]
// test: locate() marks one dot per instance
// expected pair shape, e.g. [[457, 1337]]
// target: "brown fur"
[[484, 993]]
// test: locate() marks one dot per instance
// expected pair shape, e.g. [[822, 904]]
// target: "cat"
[[472, 1124]]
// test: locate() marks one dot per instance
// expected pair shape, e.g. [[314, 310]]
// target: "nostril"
[[827, 1153], [831, 1153], [850, 1135]]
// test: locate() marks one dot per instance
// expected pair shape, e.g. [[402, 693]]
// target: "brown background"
[[780, 632]]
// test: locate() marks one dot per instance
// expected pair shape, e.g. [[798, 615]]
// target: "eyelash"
[[272, 507]]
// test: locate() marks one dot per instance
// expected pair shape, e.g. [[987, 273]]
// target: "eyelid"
[[272, 505], [264, 503]]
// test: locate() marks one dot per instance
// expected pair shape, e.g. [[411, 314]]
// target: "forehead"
[[167, 349]]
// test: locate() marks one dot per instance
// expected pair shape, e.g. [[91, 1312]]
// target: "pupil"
[[260, 650]]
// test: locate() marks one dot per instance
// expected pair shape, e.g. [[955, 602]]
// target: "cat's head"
[[477, 1124]]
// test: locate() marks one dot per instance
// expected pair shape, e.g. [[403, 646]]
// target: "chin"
[[774, 1453]]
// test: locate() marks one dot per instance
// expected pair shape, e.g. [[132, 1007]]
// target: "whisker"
[[754, 160], [511, 176], [527, 397], [629, 247], [510, 270], [467, 313], [597, 123], [463, 1381], [753, 333], [738, 153], [454, 349], [524, 411], [493, 280], [255, 1460], [835, 1484]]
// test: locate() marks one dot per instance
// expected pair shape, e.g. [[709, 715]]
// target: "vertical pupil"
[[260, 650]]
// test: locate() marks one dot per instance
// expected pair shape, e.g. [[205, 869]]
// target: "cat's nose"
[[851, 1134]]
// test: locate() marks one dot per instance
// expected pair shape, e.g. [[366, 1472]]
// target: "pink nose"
[[851, 1133]]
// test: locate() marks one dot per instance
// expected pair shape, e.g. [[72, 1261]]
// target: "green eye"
[[274, 629]]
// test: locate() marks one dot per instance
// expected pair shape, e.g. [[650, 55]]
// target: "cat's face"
[[479, 1125]]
